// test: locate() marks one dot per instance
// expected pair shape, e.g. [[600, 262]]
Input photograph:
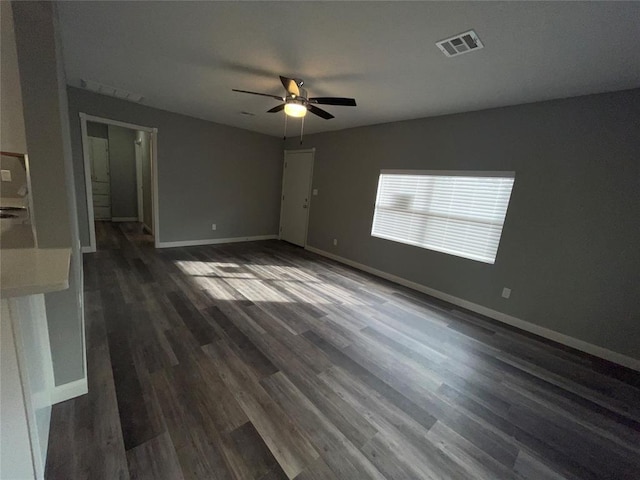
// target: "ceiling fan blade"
[[279, 108], [261, 94], [344, 102], [290, 85], [320, 112]]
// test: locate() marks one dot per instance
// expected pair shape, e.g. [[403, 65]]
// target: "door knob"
[[305, 206]]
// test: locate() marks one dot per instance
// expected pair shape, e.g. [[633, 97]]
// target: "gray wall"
[[122, 172], [35, 39], [12, 137], [207, 173], [48, 145], [570, 245], [147, 199]]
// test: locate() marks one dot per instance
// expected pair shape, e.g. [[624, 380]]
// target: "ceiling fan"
[[297, 103]]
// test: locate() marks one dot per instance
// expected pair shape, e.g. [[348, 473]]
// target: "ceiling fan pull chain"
[[301, 130], [285, 128]]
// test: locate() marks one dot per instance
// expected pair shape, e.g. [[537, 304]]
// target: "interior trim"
[[450, 173], [547, 333], [215, 241], [67, 391], [153, 145]]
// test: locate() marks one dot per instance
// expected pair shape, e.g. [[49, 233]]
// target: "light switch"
[[315, 192], [6, 175]]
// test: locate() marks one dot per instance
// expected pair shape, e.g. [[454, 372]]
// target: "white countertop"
[[28, 271], [17, 202]]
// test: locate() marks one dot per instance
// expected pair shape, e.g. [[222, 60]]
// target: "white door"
[[296, 191], [100, 182]]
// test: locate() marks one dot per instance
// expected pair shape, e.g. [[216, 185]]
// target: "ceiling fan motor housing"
[[303, 94]]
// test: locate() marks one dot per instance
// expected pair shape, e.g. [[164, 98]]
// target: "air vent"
[[463, 43], [111, 91]]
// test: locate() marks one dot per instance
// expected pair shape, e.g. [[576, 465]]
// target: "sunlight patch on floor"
[[255, 282], [213, 269]]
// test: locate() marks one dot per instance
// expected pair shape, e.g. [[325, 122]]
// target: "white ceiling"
[[187, 56]]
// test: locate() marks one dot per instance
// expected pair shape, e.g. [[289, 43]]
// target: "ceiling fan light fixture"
[[295, 109]]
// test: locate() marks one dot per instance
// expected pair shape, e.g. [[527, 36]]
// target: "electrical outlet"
[[6, 175], [506, 292], [335, 242], [315, 192], [213, 226]]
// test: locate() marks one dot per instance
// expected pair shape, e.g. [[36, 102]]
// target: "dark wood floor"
[[263, 361]]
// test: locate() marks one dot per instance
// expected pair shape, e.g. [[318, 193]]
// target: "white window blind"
[[459, 213]]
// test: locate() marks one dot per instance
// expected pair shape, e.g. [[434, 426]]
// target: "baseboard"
[[87, 250], [558, 337], [214, 241], [70, 390], [124, 219]]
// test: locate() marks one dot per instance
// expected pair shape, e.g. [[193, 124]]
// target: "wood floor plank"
[[156, 459], [198, 452], [197, 325], [313, 358], [375, 383], [343, 458], [578, 444], [493, 442], [318, 470], [409, 440], [404, 343], [251, 355], [477, 463], [149, 396], [96, 440], [348, 419], [200, 382], [375, 407], [530, 468], [287, 444], [256, 455], [555, 460], [601, 421], [383, 453], [134, 418], [465, 403], [331, 330]]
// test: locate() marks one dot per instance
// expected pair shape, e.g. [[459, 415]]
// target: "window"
[[459, 213]]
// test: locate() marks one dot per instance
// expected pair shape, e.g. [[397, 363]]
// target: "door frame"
[[153, 133], [138, 154], [284, 167]]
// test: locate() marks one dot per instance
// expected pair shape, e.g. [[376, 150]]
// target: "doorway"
[[120, 163], [297, 179]]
